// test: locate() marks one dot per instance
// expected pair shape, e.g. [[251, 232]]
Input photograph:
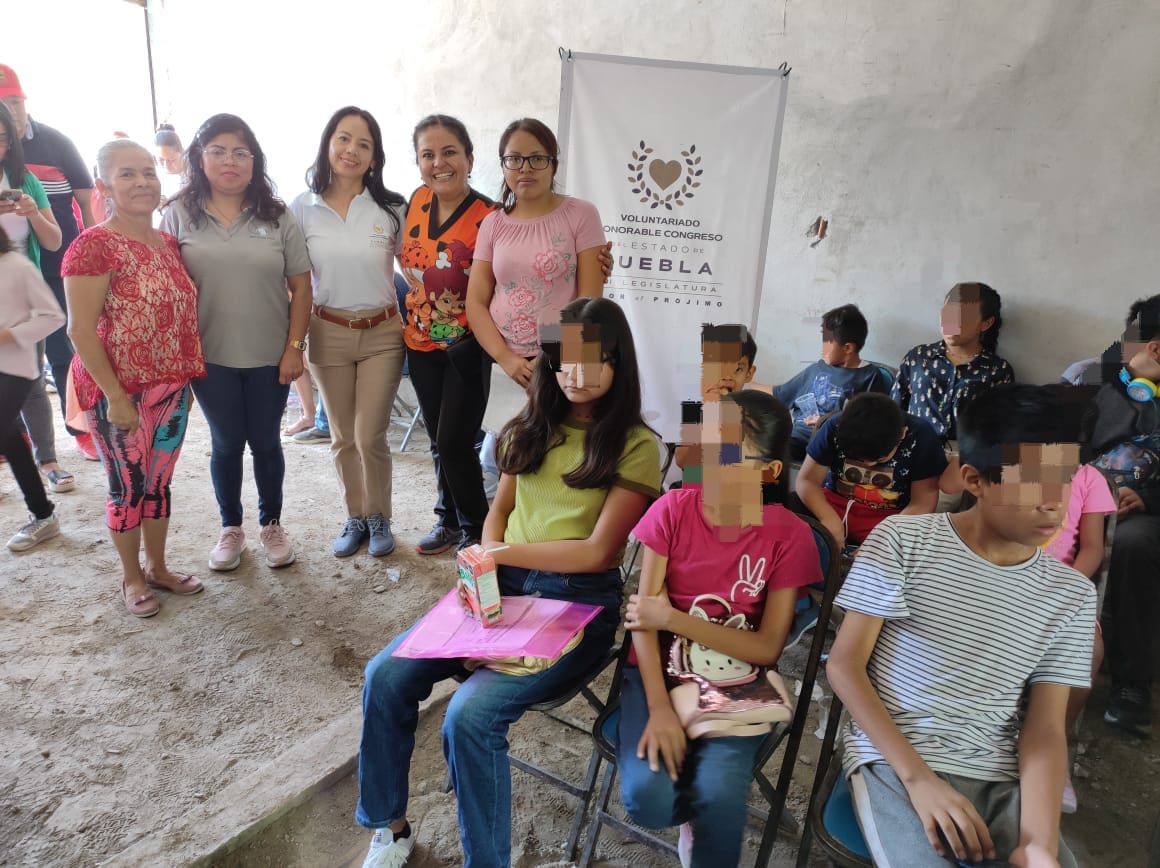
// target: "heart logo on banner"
[[662, 176], [665, 174]]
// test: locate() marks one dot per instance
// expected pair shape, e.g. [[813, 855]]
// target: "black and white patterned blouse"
[[930, 385]]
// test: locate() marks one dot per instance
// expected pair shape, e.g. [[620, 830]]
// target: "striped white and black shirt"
[[961, 637]]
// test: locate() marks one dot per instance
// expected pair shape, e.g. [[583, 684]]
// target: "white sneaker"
[[34, 533], [227, 554], [685, 845], [388, 853], [276, 545], [1070, 802]]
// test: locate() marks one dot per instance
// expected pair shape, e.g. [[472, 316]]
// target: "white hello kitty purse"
[[715, 695]]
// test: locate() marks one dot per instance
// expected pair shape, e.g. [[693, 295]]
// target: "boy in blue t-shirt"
[[870, 462], [826, 385]]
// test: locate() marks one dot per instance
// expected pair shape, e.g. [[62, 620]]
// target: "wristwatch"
[[298, 345]]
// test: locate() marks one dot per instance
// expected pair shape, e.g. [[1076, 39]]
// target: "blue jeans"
[[478, 716], [320, 420], [711, 792], [244, 405]]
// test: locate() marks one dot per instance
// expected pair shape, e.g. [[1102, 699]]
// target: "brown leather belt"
[[358, 322]]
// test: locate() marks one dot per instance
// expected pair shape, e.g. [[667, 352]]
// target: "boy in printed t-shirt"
[[826, 385], [870, 462], [951, 620]]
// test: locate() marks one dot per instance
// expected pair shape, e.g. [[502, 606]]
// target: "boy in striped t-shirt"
[[952, 620]]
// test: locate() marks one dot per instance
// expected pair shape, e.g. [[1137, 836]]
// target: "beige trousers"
[[358, 373]]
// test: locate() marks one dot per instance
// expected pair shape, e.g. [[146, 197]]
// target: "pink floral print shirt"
[[534, 262]]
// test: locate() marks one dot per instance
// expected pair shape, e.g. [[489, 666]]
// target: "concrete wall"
[[83, 65], [1014, 143]]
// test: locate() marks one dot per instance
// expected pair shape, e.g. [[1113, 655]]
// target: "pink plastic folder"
[[531, 627]]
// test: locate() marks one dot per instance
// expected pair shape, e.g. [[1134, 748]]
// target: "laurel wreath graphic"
[[647, 194]]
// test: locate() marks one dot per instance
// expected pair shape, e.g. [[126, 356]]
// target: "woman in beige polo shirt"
[[353, 225]]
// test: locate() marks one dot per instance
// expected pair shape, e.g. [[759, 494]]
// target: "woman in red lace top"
[[133, 318]]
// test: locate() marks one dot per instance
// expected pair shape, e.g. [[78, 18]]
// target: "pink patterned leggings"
[[140, 465]]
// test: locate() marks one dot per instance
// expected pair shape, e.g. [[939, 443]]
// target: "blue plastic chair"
[[889, 373], [831, 820]]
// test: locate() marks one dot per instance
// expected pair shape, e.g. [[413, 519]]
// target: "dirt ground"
[[115, 731]]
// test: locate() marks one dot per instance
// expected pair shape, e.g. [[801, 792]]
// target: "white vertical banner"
[[680, 159]]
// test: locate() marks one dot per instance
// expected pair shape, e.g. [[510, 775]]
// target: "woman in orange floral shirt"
[[132, 311]]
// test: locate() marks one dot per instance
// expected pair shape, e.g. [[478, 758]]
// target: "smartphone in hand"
[[12, 196]]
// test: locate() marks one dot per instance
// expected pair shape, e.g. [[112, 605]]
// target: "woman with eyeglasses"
[[540, 251], [353, 227], [247, 255]]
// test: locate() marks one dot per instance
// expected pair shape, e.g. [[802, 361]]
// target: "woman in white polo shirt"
[[353, 226], [244, 250]]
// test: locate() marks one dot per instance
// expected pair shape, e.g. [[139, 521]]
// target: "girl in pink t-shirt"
[[532, 257], [722, 566], [1079, 543]]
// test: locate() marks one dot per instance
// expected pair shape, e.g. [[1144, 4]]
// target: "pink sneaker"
[[227, 554], [276, 545]]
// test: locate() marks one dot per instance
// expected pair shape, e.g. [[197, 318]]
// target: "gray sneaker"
[[438, 540], [382, 540], [312, 435], [34, 533], [352, 536]]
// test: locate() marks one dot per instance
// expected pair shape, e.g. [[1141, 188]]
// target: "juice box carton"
[[480, 586]]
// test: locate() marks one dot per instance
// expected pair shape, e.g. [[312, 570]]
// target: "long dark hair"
[[990, 306], [14, 159], [260, 195], [542, 134], [319, 176], [527, 438]]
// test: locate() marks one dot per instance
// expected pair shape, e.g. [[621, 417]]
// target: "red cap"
[[10, 83]]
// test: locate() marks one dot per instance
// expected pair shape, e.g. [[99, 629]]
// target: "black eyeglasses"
[[538, 162]]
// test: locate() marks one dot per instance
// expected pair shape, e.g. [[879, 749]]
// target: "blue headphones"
[[1139, 389]]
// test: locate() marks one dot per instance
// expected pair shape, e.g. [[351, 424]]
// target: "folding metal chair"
[[408, 416], [670, 450], [605, 736]]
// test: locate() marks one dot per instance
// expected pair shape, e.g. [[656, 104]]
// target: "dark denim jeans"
[[711, 792], [244, 405], [478, 717]]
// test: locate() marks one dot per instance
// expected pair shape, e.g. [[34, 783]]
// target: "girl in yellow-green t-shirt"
[[579, 467]]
